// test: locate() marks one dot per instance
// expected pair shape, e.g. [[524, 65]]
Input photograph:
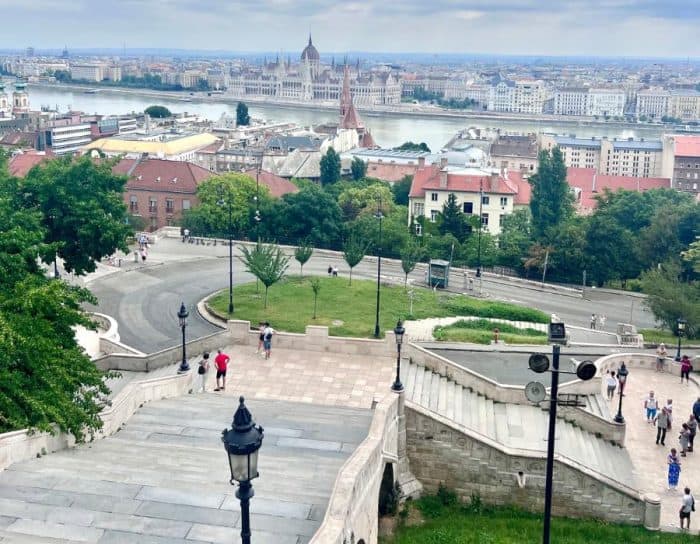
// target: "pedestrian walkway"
[[649, 460]]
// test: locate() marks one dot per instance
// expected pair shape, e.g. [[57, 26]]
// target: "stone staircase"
[[520, 427]]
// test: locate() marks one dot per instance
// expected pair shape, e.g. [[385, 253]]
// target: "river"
[[387, 130]]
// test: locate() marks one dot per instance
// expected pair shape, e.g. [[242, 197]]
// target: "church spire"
[[310, 43]]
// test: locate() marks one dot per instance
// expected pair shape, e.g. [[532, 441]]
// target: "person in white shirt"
[[267, 339], [651, 404], [687, 506], [611, 382]]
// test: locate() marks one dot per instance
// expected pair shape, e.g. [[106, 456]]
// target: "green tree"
[[302, 254], [410, 255], [692, 255], [515, 238], [82, 207], [401, 190], [410, 146], [316, 288], [669, 298], [353, 252], [452, 219], [395, 233], [551, 202], [358, 168], [158, 112], [330, 167], [267, 262], [356, 201], [242, 117]]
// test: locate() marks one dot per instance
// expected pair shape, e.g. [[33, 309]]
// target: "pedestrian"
[[696, 409], [662, 425], [661, 355], [186, 234], [611, 382], [144, 254], [261, 337], [684, 439], [221, 361], [335, 271], [687, 506], [674, 469], [622, 378], [202, 373], [692, 424], [651, 405], [267, 339], [669, 409], [594, 318], [602, 319], [686, 367], [330, 270]]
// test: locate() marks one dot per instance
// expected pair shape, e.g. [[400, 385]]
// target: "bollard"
[[652, 512]]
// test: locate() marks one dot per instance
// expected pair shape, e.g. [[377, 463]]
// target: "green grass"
[[349, 310], [459, 524], [480, 331], [656, 336]]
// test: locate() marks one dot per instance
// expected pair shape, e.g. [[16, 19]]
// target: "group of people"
[[333, 271], [598, 321], [616, 381], [265, 339], [662, 356]]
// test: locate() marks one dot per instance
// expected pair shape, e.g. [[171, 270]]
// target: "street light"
[[680, 325], [230, 249], [182, 318], [242, 443], [379, 216], [398, 334], [256, 198], [622, 374], [481, 208]]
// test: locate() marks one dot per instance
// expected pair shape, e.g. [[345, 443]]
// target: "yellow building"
[[174, 147]]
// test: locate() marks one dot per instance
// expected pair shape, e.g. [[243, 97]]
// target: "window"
[[185, 204], [133, 204], [484, 220], [501, 218], [485, 200], [418, 209], [419, 229], [468, 207], [169, 205], [433, 197], [504, 201], [152, 204], [434, 215], [154, 223]]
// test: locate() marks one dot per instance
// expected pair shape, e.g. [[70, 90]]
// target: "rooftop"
[[170, 147]]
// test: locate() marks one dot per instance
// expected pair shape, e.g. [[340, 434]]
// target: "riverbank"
[[398, 110]]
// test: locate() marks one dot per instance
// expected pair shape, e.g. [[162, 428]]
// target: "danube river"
[[388, 130]]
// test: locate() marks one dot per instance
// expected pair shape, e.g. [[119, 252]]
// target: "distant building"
[[652, 103], [168, 146], [685, 157], [515, 153], [589, 102], [389, 164], [87, 72]]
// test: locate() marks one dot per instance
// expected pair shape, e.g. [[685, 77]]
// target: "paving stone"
[[225, 535], [35, 495], [307, 444], [177, 496], [142, 525], [55, 530], [271, 507], [99, 487], [207, 516], [123, 537], [6, 520]]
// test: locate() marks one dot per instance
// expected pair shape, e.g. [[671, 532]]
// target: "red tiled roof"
[[687, 146], [522, 186], [162, 175], [352, 118], [390, 172], [21, 164], [429, 178], [278, 186]]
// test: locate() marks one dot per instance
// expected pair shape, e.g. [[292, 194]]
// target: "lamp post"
[[680, 325], [379, 216], [230, 250], [182, 318], [481, 208], [242, 443], [622, 374], [398, 334], [256, 198]]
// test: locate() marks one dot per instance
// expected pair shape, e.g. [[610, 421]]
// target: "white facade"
[[87, 72], [606, 103], [70, 139], [652, 103], [571, 102], [528, 97]]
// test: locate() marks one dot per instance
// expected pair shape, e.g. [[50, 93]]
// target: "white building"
[[606, 103], [68, 139], [652, 103], [571, 101], [87, 72]]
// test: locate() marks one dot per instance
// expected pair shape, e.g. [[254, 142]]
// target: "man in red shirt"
[[221, 361]]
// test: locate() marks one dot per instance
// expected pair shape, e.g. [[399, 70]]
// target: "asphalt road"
[[145, 299]]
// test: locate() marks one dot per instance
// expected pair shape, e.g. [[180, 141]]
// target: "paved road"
[[144, 300]]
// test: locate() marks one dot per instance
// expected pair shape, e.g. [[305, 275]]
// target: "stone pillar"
[[652, 512], [410, 486]]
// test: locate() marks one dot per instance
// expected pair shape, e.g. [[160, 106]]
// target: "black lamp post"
[[680, 325], [481, 208], [256, 198], [230, 250], [182, 317], [242, 443], [379, 216], [398, 334], [622, 374]]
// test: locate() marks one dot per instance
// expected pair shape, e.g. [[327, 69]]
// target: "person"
[[335, 271], [651, 405], [186, 234], [686, 367], [611, 382], [687, 506], [669, 410], [674, 469], [144, 254], [594, 318], [261, 337], [696, 409], [684, 439], [692, 424], [601, 320], [662, 423], [202, 373], [330, 270], [221, 361], [661, 355], [267, 339]]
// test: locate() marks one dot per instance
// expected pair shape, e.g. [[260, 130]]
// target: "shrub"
[[499, 310]]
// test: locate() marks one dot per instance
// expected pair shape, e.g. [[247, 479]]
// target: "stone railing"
[[515, 394], [22, 445], [352, 513], [635, 360]]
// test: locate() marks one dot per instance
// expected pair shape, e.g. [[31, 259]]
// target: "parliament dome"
[[310, 52]]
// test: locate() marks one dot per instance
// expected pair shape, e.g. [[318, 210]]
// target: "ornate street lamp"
[[398, 334], [680, 327], [242, 443], [182, 318], [379, 216], [622, 374]]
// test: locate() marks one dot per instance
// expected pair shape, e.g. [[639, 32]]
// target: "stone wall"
[[352, 513], [440, 453]]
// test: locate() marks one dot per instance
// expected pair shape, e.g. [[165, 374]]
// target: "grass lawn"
[[480, 331], [458, 524], [349, 310], [656, 336]]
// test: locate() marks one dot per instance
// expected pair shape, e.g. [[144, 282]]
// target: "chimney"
[[443, 179], [494, 182], [443, 162], [421, 162]]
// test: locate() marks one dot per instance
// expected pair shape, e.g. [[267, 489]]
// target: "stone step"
[[410, 381], [434, 391], [427, 385], [459, 393], [418, 386], [450, 400], [500, 414], [442, 396]]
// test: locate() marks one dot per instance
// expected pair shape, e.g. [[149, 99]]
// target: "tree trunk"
[[302, 270], [350, 276], [265, 297], [315, 297], [405, 281]]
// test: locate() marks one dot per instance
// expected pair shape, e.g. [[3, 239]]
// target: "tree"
[[551, 202], [692, 255], [515, 238], [242, 117], [316, 288], [330, 167], [452, 219], [158, 112], [401, 190], [82, 208], [356, 201], [353, 252], [669, 298], [302, 254], [410, 146], [358, 168], [267, 262], [410, 255]]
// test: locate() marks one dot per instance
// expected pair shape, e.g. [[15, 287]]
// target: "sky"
[[613, 28]]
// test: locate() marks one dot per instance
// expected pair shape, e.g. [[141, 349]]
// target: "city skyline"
[[610, 28]]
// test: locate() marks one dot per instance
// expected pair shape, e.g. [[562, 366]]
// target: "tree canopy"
[[158, 112], [358, 168], [242, 117], [551, 202], [410, 146], [330, 167]]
